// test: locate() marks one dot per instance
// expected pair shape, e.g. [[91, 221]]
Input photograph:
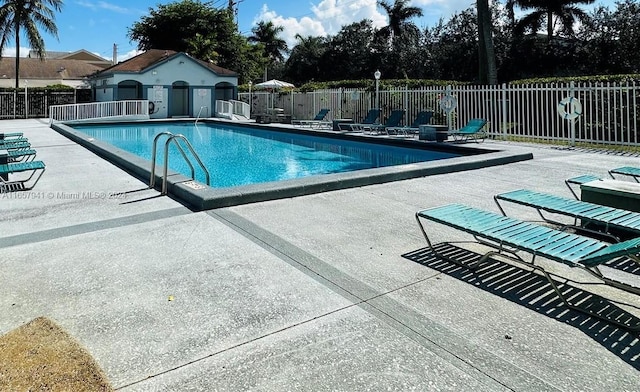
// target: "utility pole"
[[233, 7]]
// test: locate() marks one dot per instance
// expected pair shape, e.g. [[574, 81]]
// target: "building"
[[177, 84], [35, 72]]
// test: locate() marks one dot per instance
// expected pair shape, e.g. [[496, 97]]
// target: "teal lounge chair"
[[23, 183], [369, 119], [507, 236], [17, 145], [20, 139], [593, 217], [394, 120], [472, 131], [317, 121], [14, 135], [626, 171], [579, 180], [422, 118], [10, 156]]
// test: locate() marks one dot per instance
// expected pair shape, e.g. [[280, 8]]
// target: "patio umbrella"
[[273, 85]]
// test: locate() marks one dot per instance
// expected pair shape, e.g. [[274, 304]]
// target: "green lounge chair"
[[369, 119], [20, 139], [10, 156], [626, 171], [472, 131], [20, 184], [317, 121], [507, 236], [13, 135], [422, 118], [603, 219], [18, 145], [394, 120], [579, 180]]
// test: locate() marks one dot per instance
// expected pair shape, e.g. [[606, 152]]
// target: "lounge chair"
[[20, 139], [579, 180], [369, 119], [472, 131], [593, 217], [394, 120], [12, 135], [20, 184], [422, 118], [506, 236], [10, 156], [17, 145], [626, 171], [317, 121]]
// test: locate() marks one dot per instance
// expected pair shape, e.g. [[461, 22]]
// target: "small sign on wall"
[[202, 92], [157, 93]]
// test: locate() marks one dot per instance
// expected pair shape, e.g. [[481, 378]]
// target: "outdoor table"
[[338, 121], [438, 133], [613, 193]]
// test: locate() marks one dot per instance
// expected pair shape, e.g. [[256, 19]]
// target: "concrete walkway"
[[327, 292]]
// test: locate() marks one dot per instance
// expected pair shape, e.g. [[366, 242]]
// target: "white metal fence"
[[610, 111], [111, 110]]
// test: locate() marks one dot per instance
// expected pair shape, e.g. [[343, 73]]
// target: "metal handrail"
[[172, 138], [200, 111]]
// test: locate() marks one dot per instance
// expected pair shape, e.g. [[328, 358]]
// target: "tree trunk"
[[488, 70], [17, 28]]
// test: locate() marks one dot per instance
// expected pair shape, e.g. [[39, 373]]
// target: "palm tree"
[[267, 34], [565, 11], [488, 71], [399, 14], [27, 15]]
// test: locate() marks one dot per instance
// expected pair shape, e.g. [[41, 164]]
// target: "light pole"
[[377, 75], [250, 97]]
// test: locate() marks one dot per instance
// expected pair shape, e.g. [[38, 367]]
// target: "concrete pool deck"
[[329, 291]]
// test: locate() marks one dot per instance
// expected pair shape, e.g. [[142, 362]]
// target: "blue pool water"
[[238, 156]]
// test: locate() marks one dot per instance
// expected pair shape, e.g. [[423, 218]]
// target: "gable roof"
[[47, 69], [153, 57], [77, 55]]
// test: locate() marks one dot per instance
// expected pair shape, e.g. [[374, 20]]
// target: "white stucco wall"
[[181, 68]]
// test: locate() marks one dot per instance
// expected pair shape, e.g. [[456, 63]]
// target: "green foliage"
[[594, 78]]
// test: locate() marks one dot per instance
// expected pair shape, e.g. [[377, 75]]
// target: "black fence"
[[35, 104]]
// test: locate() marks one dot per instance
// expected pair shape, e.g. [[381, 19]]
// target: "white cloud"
[[11, 52], [328, 18], [103, 5], [129, 54]]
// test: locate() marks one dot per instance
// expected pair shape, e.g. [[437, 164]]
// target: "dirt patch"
[[40, 356]]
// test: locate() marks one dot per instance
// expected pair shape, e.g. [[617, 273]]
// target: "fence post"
[[503, 97], [572, 124]]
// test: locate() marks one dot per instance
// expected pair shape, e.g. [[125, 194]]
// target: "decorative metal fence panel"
[[12, 104], [610, 111]]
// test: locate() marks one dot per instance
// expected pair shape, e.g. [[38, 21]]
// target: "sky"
[[96, 25]]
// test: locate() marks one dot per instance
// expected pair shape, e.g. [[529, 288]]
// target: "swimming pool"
[[312, 162], [236, 156]]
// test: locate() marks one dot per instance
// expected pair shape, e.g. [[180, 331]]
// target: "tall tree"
[[566, 13], [28, 15], [268, 34], [399, 14], [303, 63], [401, 36], [487, 69]]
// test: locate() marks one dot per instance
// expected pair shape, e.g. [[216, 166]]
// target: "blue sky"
[[96, 25]]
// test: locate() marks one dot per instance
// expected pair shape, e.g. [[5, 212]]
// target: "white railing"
[[111, 110], [241, 109], [233, 109], [610, 115], [224, 109]]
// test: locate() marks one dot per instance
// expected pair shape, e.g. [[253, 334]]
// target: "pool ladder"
[[174, 138]]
